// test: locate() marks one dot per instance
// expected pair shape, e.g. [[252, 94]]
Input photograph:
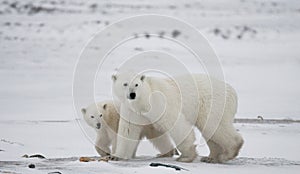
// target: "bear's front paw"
[[168, 154], [185, 159], [113, 158]]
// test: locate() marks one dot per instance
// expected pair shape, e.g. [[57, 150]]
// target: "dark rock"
[[32, 166], [175, 33], [55, 172], [37, 156], [147, 35]]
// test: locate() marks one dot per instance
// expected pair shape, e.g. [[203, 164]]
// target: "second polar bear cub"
[[104, 118]]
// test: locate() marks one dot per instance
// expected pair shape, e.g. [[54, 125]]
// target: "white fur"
[[174, 106], [107, 115], [163, 111]]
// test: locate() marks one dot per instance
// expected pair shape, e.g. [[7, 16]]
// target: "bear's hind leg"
[[227, 137], [235, 148], [215, 151]]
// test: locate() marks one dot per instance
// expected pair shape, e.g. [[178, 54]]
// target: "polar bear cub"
[[104, 118], [207, 103]]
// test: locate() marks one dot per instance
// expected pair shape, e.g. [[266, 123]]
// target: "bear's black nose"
[[98, 125], [132, 95]]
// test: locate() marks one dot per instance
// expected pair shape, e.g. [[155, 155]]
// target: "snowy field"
[[269, 148], [40, 41]]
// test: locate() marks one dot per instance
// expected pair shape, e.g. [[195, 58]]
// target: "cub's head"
[[93, 114], [130, 87]]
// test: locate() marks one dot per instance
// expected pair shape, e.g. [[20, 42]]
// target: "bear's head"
[[93, 114], [131, 87]]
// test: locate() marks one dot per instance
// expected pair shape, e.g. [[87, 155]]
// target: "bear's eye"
[[92, 116], [100, 115], [125, 84], [136, 85]]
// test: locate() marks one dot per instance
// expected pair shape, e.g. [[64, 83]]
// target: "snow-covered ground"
[[269, 148], [40, 41]]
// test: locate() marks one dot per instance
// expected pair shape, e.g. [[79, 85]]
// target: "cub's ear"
[[83, 110], [104, 106], [114, 77], [143, 77]]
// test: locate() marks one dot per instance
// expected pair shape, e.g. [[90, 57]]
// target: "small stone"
[[32, 166], [175, 33], [147, 35], [25, 156], [260, 117]]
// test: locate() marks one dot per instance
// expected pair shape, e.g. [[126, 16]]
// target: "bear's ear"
[[143, 78], [83, 110], [104, 106], [114, 77]]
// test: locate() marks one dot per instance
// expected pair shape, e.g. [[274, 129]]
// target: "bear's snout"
[[132, 96], [98, 125]]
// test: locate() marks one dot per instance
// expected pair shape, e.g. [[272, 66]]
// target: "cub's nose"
[[98, 125], [132, 96]]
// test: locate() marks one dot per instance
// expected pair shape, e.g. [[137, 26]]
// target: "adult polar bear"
[[139, 103], [104, 118]]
